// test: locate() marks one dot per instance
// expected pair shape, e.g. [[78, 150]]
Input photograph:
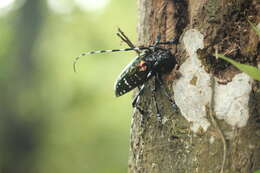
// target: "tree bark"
[[217, 127]]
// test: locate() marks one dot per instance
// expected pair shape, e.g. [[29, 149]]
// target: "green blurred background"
[[51, 119]]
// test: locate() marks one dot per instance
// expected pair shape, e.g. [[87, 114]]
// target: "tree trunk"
[[216, 127]]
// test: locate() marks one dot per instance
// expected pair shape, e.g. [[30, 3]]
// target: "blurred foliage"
[[254, 27], [251, 71], [52, 119]]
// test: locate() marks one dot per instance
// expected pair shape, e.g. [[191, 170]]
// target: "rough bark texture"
[[172, 146]]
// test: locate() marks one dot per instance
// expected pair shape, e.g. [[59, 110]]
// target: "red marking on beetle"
[[142, 66]]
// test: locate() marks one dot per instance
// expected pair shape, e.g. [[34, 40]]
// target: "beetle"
[[153, 61]]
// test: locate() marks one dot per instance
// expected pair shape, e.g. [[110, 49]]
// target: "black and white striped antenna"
[[107, 51]]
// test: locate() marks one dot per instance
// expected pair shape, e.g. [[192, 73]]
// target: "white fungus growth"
[[192, 91]]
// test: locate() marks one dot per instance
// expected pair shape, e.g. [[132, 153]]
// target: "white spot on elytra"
[[127, 84]]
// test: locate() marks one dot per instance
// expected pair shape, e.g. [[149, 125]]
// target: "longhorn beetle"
[[154, 61]]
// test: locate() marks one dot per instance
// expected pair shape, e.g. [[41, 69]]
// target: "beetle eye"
[[142, 66]]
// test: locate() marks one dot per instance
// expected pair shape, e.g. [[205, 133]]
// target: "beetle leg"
[[136, 99], [158, 114], [136, 102], [166, 93]]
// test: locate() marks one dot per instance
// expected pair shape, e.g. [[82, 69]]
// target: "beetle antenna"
[[107, 51]]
